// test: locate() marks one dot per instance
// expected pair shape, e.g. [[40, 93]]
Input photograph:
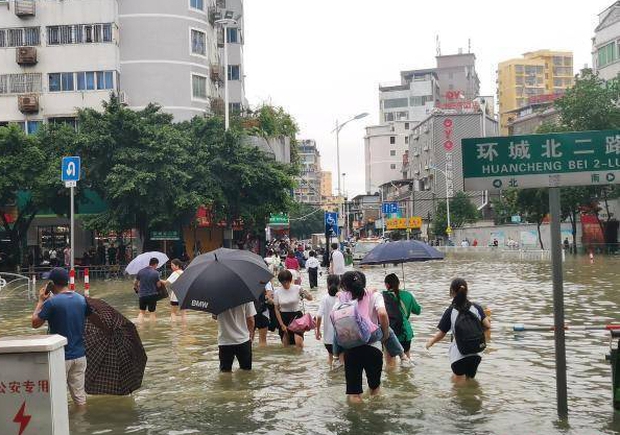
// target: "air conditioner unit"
[[426, 167], [426, 148], [26, 55], [122, 98], [28, 103], [25, 8]]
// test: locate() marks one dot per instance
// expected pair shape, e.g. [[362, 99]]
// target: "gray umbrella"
[[222, 279]]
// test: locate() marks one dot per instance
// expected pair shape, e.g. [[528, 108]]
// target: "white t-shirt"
[[338, 263], [232, 326], [172, 278], [288, 300], [312, 262], [325, 308]]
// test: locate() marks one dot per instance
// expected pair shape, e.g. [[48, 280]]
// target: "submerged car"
[[363, 247]]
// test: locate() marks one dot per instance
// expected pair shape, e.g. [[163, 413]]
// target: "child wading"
[[322, 317]]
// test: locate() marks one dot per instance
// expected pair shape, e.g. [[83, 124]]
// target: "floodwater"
[[291, 392]]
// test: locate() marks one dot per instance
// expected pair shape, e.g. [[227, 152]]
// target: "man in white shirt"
[[235, 333], [336, 266]]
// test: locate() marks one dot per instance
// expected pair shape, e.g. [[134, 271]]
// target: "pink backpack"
[[351, 319]]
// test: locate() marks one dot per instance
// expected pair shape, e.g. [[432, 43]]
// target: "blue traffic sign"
[[331, 223], [70, 169], [390, 208]]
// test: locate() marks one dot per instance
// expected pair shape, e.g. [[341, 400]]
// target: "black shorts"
[[174, 303], [149, 302], [243, 352], [406, 345], [287, 318], [330, 348], [260, 321], [360, 359], [467, 366]]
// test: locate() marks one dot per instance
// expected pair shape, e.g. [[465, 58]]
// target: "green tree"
[[534, 204], [29, 181], [462, 211], [505, 206], [306, 220], [137, 162]]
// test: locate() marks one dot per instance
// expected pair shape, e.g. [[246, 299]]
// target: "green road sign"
[[542, 160], [165, 235], [278, 219]]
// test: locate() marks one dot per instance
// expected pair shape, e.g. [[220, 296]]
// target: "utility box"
[[33, 386]]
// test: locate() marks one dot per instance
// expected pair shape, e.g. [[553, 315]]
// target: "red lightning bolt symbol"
[[22, 419]]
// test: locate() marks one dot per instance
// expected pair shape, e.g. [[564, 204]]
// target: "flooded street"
[[289, 392]]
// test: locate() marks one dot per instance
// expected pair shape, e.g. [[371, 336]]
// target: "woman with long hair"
[[464, 366], [286, 306], [325, 308]]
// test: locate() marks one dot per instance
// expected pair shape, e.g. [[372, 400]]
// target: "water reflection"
[[293, 393]]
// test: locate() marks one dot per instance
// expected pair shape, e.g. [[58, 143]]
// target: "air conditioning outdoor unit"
[[425, 148], [122, 98], [426, 167], [26, 55], [28, 103]]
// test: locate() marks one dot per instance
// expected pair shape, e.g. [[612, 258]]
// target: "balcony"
[[217, 106], [24, 8]]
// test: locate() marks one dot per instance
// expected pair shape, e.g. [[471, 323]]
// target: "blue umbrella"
[[401, 252], [404, 251]]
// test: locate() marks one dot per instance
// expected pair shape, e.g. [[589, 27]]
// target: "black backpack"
[[468, 333], [394, 313]]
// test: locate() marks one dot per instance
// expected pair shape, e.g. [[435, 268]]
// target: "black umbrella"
[[401, 252], [116, 359], [222, 279]]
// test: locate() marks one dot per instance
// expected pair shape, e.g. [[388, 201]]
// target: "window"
[[392, 153], [406, 126], [395, 102], [20, 37], [199, 87], [105, 80], [236, 108], [233, 72], [519, 69], [393, 166], [79, 34], [20, 83], [61, 82], [197, 4], [199, 43], [32, 126], [406, 140], [86, 81], [392, 140], [402, 115], [389, 117], [232, 35], [416, 101], [606, 54]]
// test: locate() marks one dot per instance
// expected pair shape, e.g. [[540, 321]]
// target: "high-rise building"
[[457, 77], [59, 56], [308, 188], [410, 100], [542, 72], [606, 43], [235, 40]]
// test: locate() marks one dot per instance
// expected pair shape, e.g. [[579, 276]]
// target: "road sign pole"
[[72, 236], [558, 303]]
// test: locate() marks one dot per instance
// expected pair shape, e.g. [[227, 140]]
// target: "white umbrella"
[[142, 261]]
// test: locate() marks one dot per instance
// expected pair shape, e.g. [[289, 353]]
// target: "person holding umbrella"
[[146, 284], [286, 301], [66, 312]]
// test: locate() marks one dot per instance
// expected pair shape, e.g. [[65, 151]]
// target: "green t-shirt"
[[408, 305]]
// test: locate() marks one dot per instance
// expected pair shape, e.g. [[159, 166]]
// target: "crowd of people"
[[359, 327]]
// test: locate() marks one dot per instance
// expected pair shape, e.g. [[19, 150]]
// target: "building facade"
[[308, 190], [326, 184], [457, 76], [434, 155], [233, 9], [384, 147], [410, 100], [542, 72], [606, 43], [59, 56], [527, 119]]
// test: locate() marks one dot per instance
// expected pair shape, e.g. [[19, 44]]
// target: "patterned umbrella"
[[115, 362]]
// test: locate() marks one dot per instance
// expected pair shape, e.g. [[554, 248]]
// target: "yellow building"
[[326, 183], [523, 81]]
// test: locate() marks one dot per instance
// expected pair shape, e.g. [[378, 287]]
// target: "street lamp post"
[[344, 190], [444, 173], [225, 23], [337, 131]]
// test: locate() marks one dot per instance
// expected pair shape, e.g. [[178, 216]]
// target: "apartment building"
[[308, 188], [233, 9], [410, 100], [57, 56], [542, 72], [606, 43]]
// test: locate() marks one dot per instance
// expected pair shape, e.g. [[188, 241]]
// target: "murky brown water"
[[292, 393]]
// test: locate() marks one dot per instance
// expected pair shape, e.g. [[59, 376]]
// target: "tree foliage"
[[306, 220], [462, 211]]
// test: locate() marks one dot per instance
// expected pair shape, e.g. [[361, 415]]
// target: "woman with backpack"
[[467, 322], [367, 357], [399, 305]]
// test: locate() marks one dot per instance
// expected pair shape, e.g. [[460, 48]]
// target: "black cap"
[[59, 276]]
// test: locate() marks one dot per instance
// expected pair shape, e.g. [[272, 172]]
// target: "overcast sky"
[[323, 60]]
